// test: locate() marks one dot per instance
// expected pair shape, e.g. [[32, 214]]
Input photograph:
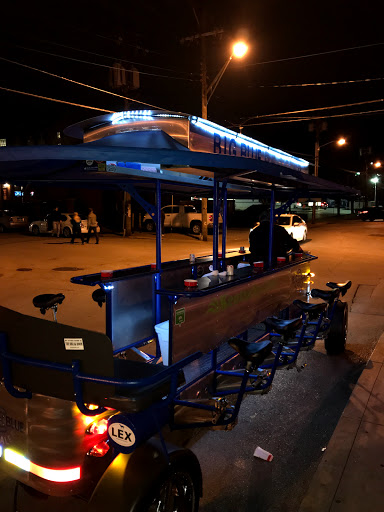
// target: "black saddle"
[[254, 353], [327, 296], [286, 328], [343, 287], [47, 301], [99, 296], [312, 310]]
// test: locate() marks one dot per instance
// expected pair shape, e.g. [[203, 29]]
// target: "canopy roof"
[[161, 157]]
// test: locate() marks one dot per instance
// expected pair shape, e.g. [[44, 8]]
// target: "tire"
[[337, 336], [196, 228], [2, 228], [176, 491], [304, 236], [35, 230], [371, 219], [149, 226], [67, 232]]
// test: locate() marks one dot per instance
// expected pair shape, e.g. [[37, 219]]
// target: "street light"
[[239, 49], [375, 181], [339, 142]]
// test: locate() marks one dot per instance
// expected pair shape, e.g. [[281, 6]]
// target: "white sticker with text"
[[73, 343]]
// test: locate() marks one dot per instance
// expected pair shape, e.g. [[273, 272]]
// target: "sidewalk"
[[350, 476]]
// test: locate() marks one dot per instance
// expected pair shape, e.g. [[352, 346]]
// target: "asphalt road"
[[296, 419]]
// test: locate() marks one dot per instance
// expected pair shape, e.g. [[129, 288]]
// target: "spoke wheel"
[[176, 493]]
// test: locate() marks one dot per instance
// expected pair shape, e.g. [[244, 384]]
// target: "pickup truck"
[[180, 217]]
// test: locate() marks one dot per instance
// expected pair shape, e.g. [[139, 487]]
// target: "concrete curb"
[[350, 475]]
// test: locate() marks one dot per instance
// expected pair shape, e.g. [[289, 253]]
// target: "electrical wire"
[[312, 55], [82, 84], [315, 109], [56, 100], [309, 118], [102, 65], [323, 83]]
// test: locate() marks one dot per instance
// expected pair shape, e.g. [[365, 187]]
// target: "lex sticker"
[[121, 434], [74, 343]]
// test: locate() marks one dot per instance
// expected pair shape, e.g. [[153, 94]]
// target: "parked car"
[[371, 213], [180, 217], [39, 227], [295, 226], [9, 220]]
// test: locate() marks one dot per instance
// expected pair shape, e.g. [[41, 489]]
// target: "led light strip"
[[54, 475]]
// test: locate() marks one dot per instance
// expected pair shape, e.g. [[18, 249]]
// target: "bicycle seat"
[[99, 296], [327, 296], [286, 328], [252, 352], [47, 301], [343, 287], [312, 310]]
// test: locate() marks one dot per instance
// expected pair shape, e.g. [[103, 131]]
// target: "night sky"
[[291, 43]]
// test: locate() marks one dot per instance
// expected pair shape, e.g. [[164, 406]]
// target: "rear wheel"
[[336, 339], [304, 236], [35, 230], [196, 228], [67, 232], [176, 491]]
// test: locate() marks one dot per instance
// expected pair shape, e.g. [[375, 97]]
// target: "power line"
[[56, 100], [80, 83], [323, 83], [101, 65], [315, 109], [313, 54], [309, 118]]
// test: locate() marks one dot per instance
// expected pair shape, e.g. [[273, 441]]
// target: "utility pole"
[[201, 37]]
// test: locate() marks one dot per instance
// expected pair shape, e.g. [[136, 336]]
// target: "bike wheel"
[[176, 492], [336, 339]]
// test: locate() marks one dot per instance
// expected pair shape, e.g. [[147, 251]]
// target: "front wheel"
[[337, 336], [35, 230], [196, 228], [149, 226], [67, 232], [2, 228], [177, 491]]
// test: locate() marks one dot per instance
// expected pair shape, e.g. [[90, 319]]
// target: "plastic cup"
[[105, 274], [230, 270], [263, 454], [258, 265], [241, 250], [190, 283], [220, 254], [281, 260], [153, 266], [298, 255]]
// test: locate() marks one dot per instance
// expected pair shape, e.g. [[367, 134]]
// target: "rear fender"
[[131, 477]]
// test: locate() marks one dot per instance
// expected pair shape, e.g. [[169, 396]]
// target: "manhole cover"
[[23, 269], [67, 269]]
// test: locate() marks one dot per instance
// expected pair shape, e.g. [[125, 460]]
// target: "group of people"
[[57, 220]]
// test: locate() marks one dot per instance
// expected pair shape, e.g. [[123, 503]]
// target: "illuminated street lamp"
[[375, 181], [239, 49], [339, 142]]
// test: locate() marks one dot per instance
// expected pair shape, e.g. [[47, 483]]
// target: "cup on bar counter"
[[281, 260], [105, 274], [258, 265], [299, 255]]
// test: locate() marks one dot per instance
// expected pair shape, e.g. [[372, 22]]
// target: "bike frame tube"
[[158, 251]]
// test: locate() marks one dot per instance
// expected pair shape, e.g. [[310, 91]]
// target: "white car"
[[39, 227], [294, 224]]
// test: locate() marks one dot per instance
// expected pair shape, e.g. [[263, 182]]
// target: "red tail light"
[[99, 450]]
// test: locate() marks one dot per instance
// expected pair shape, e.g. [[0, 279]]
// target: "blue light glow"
[[122, 117], [266, 152], [1, 451], [108, 287]]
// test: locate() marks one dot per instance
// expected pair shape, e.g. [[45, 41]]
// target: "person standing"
[[92, 225], [56, 222], [76, 228]]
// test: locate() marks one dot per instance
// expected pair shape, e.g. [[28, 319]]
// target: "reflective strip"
[[54, 475]]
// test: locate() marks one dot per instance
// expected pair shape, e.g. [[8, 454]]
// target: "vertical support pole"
[[317, 156], [271, 224], [224, 233], [216, 190], [158, 250], [108, 314]]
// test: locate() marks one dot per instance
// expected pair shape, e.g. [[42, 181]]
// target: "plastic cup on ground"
[[105, 274], [263, 454]]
